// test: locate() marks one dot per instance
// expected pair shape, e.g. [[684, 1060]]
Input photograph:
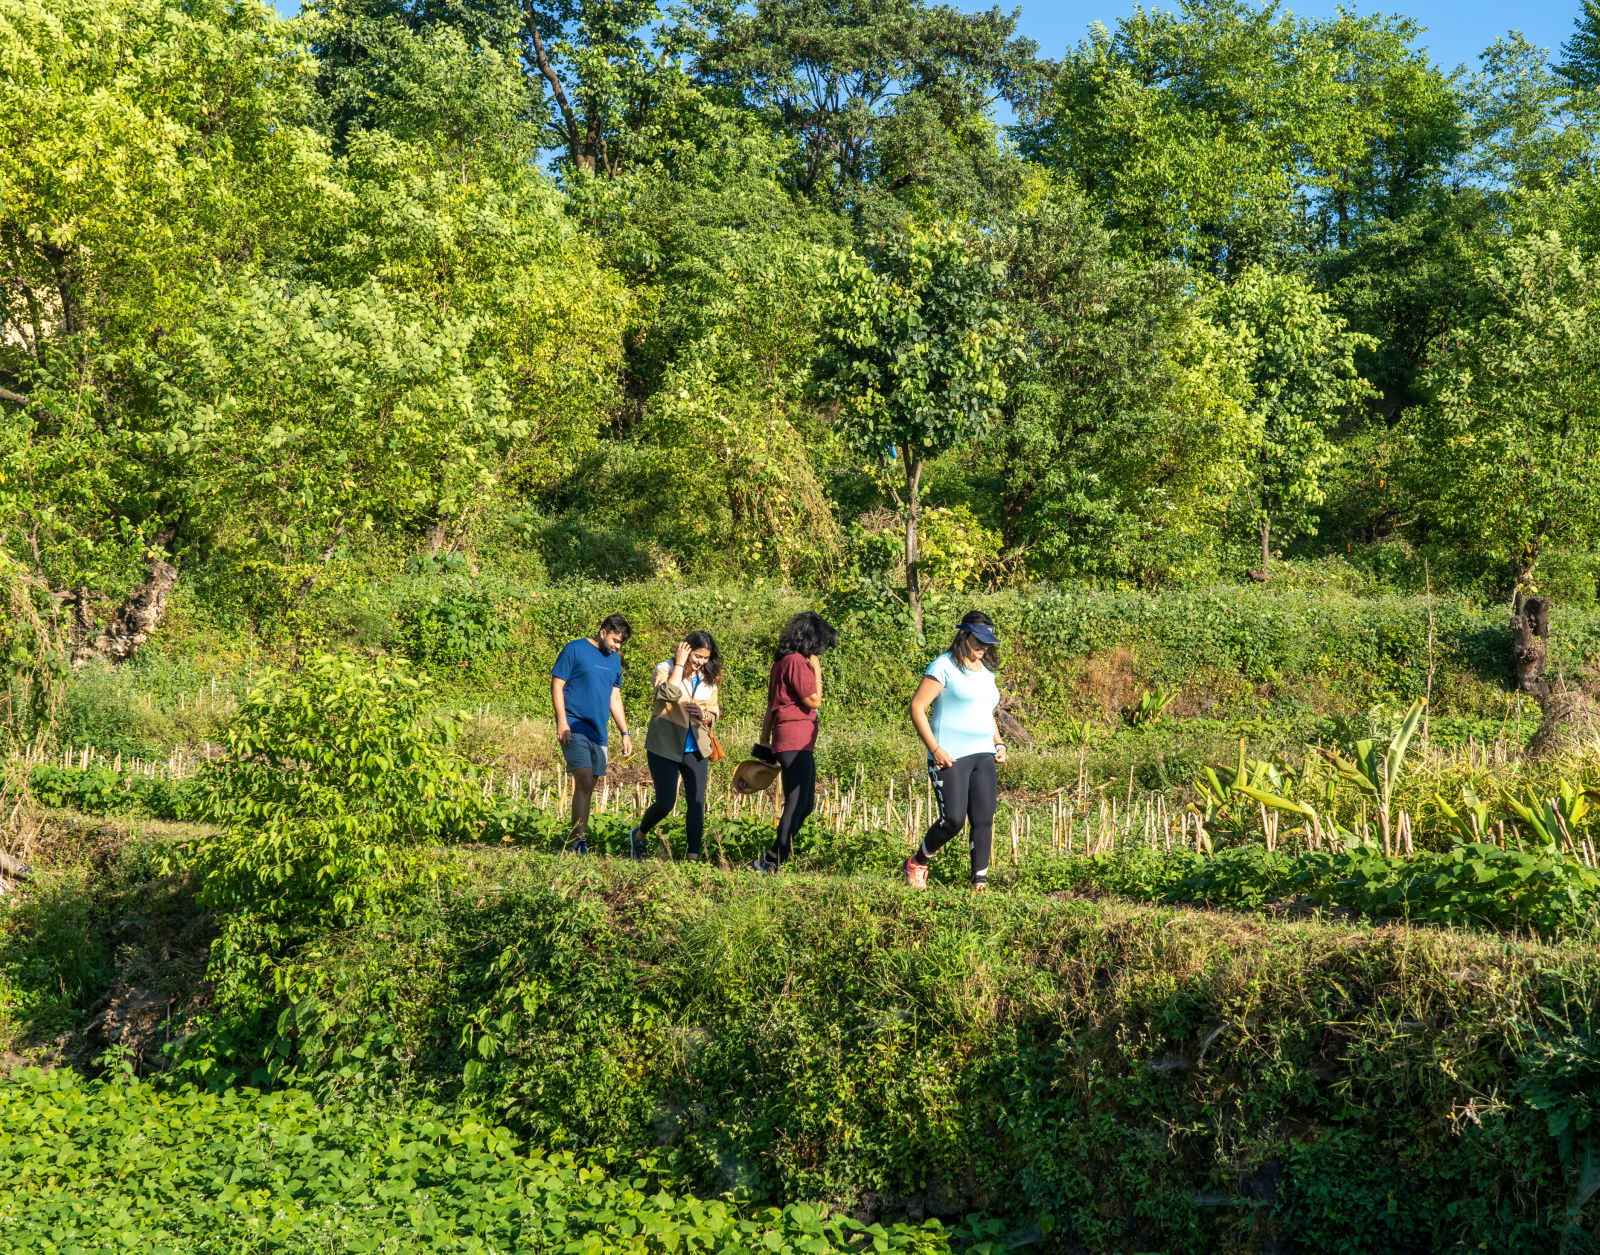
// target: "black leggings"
[[968, 790], [664, 773], [799, 798]]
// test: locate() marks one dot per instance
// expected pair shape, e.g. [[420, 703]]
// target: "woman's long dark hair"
[[806, 634], [712, 671], [991, 653]]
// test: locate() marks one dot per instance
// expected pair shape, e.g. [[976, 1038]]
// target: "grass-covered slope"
[[1129, 1078], [1275, 658]]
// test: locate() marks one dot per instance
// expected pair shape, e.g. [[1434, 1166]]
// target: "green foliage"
[[912, 357], [1471, 884], [337, 779], [89, 1164], [1152, 704], [1225, 134], [1580, 64], [1304, 379], [453, 623], [54, 960], [825, 1038], [102, 791], [1511, 441], [33, 663], [1128, 427], [886, 104]]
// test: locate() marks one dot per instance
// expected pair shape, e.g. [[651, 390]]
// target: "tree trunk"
[[1264, 528], [913, 555], [135, 619]]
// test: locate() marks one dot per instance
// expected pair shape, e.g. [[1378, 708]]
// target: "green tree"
[[1507, 457], [198, 364], [887, 102], [152, 149], [1303, 379], [1126, 431], [294, 417], [912, 356], [717, 461], [1224, 134], [1580, 54]]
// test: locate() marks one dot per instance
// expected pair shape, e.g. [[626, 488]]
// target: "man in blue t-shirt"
[[586, 691]]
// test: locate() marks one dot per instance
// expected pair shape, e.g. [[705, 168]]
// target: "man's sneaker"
[[638, 846], [766, 864], [978, 886], [916, 874]]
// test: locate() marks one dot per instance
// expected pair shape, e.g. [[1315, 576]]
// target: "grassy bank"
[[1109, 1076]]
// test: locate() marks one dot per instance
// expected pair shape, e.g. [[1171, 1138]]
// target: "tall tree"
[[1303, 379], [883, 99], [1125, 432], [1506, 459], [1224, 134], [912, 356], [151, 149], [1580, 54]]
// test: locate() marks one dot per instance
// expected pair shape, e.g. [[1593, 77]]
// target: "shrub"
[[451, 622], [336, 779]]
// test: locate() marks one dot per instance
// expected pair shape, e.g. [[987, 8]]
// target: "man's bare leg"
[[583, 782]]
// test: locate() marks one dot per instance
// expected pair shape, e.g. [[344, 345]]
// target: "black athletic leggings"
[[799, 798], [664, 773], [968, 790]]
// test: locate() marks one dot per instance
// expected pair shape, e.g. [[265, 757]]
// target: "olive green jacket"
[[669, 725]]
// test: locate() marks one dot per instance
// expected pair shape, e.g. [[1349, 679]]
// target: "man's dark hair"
[[807, 633], [616, 623]]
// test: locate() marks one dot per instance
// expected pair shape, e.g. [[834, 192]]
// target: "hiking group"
[[952, 710]]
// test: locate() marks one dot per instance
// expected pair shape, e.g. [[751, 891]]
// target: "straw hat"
[[752, 776]]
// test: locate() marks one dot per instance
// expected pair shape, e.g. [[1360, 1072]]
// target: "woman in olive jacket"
[[678, 742]]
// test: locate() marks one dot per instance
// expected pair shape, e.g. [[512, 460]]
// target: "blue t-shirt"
[[962, 716], [689, 744], [590, 677]]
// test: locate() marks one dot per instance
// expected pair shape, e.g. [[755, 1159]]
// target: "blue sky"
[[1457, 30]]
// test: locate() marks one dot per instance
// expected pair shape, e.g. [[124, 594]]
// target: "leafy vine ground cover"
[[122, 1165]]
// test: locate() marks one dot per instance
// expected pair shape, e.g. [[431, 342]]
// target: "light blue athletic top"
[[962, 716], [689, 746]]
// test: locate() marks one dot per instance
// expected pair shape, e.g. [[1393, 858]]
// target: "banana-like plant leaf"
[[1275, 801], [1402, 739]]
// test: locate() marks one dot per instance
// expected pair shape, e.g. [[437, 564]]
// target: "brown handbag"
[[717, 753]]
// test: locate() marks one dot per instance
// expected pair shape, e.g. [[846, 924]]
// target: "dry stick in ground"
[[1427, 700]]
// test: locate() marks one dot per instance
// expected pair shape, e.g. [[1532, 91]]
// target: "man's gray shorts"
[[585, 754]]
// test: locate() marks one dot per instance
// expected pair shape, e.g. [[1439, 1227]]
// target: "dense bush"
[[1136, 1078], [336, 778]]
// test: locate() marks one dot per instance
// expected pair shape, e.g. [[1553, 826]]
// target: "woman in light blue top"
[[953, 712]]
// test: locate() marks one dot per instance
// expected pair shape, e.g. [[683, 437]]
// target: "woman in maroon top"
[[794, 692]]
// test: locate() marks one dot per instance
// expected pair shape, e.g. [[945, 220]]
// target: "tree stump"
[[1530, 644], [1008, 718], [1565, 719], [1565, 722]]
